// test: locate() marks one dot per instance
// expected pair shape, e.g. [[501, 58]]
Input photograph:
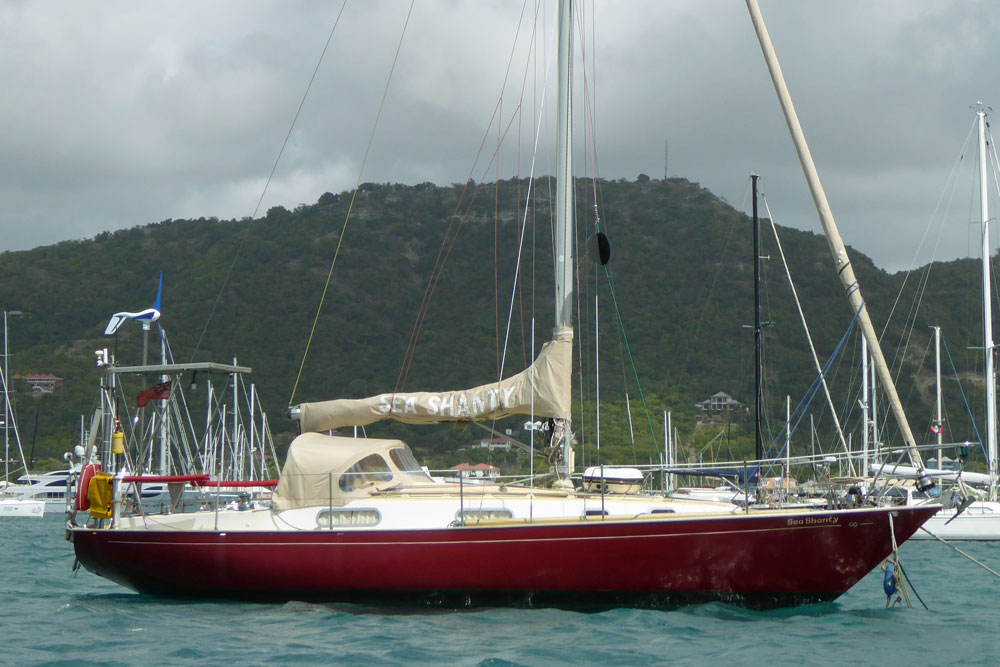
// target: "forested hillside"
[[682, 277]]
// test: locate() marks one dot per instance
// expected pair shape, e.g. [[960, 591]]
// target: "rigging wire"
[[965, 400], [994, 166], [590, 158], [949, 187], [923, 282], [590, 124], [267, 183], [455, 226], [919, 365], [820, 381], [925, 274], [899, 356], [496, 211], [812, 348], [522, 232], [350, 206], [903, 345]]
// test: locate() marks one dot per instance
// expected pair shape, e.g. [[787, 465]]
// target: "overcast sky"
[[117, 114]]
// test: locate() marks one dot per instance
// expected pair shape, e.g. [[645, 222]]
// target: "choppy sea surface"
[[50, 615]]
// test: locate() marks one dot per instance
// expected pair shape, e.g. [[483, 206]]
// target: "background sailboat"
[[972, 518], [12, 502]]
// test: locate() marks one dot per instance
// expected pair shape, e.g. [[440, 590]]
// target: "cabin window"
[[369, 470], [359, 517], [404, 460], [475, 516]]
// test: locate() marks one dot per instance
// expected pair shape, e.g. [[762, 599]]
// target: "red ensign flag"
[[160, 392]]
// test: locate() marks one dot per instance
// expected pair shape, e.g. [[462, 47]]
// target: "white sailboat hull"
[[980, 521], [19, 507]]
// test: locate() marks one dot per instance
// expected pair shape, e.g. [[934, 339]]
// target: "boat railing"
[[768, 481], [150, 495]]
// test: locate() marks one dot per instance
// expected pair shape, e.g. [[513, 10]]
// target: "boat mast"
[[843, 263], [865, 407], [8, 414], [163, 410], [758, 438], [564, 169], [873, 417], [984, 208], [937, 375], [563, 251]]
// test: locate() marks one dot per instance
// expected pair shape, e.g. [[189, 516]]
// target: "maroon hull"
[[763, 560]]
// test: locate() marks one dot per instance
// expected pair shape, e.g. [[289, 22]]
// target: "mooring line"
[[952, 546]]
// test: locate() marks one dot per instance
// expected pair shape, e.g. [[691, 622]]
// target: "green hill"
[[683, 284]]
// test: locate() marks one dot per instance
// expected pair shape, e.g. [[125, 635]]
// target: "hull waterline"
[[759, 560]]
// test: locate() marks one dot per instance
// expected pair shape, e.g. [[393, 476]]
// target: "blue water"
[[51, 616]]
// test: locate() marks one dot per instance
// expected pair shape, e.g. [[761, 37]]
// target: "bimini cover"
[[543, 389], [315, 464]]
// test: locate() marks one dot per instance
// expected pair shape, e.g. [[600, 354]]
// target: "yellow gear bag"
[[100, 495]]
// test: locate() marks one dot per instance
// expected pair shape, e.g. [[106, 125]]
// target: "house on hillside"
[[41, 383], [786, 484], [494, 443], [718, 402]]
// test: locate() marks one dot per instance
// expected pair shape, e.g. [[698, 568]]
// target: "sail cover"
[[543, 389]]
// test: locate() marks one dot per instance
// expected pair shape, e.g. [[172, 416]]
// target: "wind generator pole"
[[142, 387], [840, 258]]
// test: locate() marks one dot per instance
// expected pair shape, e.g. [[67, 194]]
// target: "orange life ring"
[[83, 483]]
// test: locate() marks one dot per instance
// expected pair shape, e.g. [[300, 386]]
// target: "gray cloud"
[[120, 114]]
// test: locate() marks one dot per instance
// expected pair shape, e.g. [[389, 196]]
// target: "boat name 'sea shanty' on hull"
[[762, 560]]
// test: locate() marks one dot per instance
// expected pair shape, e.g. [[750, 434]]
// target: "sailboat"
[[975, 519], [358, 520], [13, 503]]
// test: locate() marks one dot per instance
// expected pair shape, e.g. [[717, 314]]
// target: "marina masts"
[[8, 414], [938, 420], [758, 437]]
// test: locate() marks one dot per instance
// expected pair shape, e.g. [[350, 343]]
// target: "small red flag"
[[935, 428], [160, 392]]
